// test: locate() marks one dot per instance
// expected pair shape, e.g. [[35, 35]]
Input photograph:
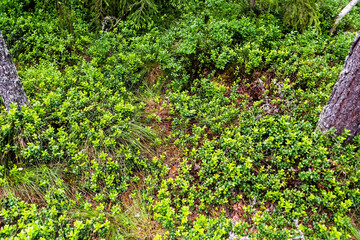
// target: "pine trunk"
[[343, 109], [11, 89]]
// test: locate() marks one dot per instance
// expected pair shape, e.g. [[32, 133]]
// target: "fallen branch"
[[342, 14]]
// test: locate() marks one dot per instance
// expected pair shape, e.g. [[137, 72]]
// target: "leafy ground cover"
[[198, 125]]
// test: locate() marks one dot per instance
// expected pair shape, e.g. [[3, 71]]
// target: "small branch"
[[342, 14], [252, 3], [301, 234], [106, 20]]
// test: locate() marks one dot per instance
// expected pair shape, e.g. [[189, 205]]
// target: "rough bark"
[[343, 109], [342, 14], [11, 89]]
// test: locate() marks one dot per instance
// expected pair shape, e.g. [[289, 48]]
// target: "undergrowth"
[[199, 124]]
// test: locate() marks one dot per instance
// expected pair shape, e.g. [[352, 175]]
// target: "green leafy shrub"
[[259, 161], [234, 93]]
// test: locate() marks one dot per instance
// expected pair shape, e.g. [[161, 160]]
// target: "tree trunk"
[[343, 109], [342, 14], [11, 89]]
